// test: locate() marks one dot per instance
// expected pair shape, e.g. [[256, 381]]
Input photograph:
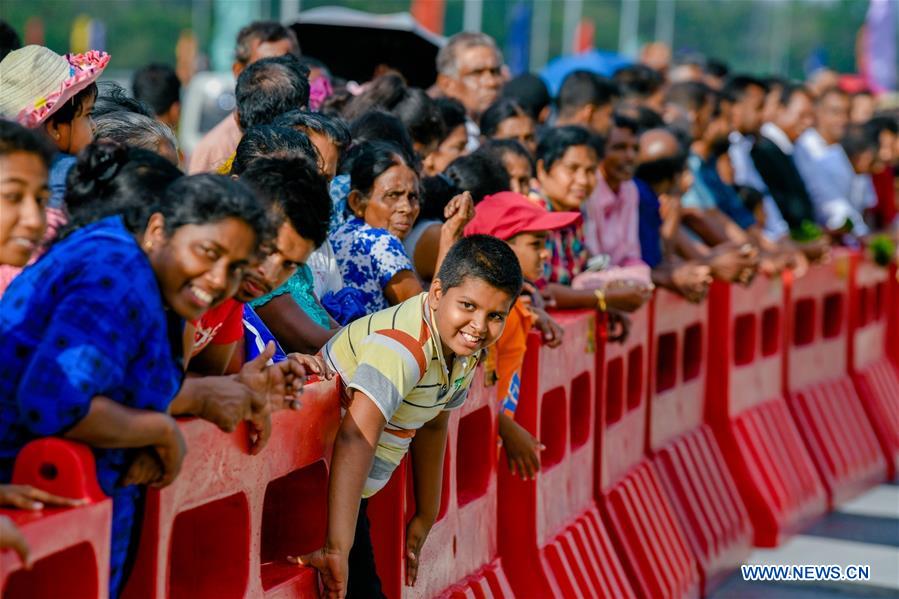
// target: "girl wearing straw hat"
[[43, 90]]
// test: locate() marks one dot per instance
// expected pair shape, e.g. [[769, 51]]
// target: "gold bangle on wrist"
[[600, 299]]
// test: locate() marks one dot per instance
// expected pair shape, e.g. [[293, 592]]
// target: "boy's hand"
[[11, 538], [313, 365], [416, 535], [26, 497], [522, 448], [549, 329], [333, 568]]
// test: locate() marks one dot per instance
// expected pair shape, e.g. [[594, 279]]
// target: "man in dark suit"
[[772, 155]]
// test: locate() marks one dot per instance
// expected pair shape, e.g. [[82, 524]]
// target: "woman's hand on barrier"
[[26, 497], [618, 327], [171, 449], [628, 298], [522, 448], [145, 469], [416, 535], [332, 566], [549, 329], [692, 281], [11, 538], [313, 365]]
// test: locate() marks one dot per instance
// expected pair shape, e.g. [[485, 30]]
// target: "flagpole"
[[573, 11], [540, 32], [628, 27], [474, 11]]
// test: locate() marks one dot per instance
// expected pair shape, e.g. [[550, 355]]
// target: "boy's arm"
[[427, 450], [354, 451]]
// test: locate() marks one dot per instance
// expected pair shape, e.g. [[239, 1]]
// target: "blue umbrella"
[[601, 62]]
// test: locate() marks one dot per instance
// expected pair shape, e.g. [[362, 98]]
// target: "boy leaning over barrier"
[[403, 369], [524, 225]]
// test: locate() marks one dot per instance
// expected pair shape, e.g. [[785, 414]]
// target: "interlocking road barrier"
[[683, 448], [225, 527], [876, 377], [460, 557], [760, 441], [69, 546], [552, 540], [640, 517], [742, 418], [827, 409]]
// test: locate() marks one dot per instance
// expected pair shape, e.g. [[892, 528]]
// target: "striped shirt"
[[395, 358]]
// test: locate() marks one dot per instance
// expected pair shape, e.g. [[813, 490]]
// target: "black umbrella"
[[353, 44]]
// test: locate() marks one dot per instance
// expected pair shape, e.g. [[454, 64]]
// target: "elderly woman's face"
[[393, 203]]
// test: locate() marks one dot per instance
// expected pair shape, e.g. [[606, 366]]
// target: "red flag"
[[429, 13]]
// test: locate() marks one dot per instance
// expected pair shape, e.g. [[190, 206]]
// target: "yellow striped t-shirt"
[[395, 357]]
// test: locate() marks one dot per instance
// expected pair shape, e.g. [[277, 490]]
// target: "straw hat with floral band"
[[35, 81]]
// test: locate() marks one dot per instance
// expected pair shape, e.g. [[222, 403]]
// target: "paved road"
[[862, 531]]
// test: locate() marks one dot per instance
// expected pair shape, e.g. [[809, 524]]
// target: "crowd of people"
[[394, 236]]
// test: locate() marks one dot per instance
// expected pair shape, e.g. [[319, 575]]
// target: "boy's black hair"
[[112, 97], [737, 86], [16, 138], [332, 128], [496, 113], [269, 88], [372, 159], [453, 113], [482, 257], [268, 141], [581, 88], [297, 189], [530, 92], [206, 198], [556, 142], [479, 173], [111, 178], [9, 39], [72, 109], [499, 148], [157, 85]]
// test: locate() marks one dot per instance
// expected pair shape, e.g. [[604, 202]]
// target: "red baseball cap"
[[506, 214]]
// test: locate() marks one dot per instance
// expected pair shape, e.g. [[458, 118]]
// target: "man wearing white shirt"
[[839, 197]]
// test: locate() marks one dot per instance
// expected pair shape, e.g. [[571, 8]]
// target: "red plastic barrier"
[[875, 376], [641, 519], [746, 409], [460, 557], [683, 448], [69, 547], [224, 528], [552, 540], [892, 306], [828, 411]]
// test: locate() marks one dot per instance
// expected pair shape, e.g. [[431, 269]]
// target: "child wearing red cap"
[[523, 225]]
